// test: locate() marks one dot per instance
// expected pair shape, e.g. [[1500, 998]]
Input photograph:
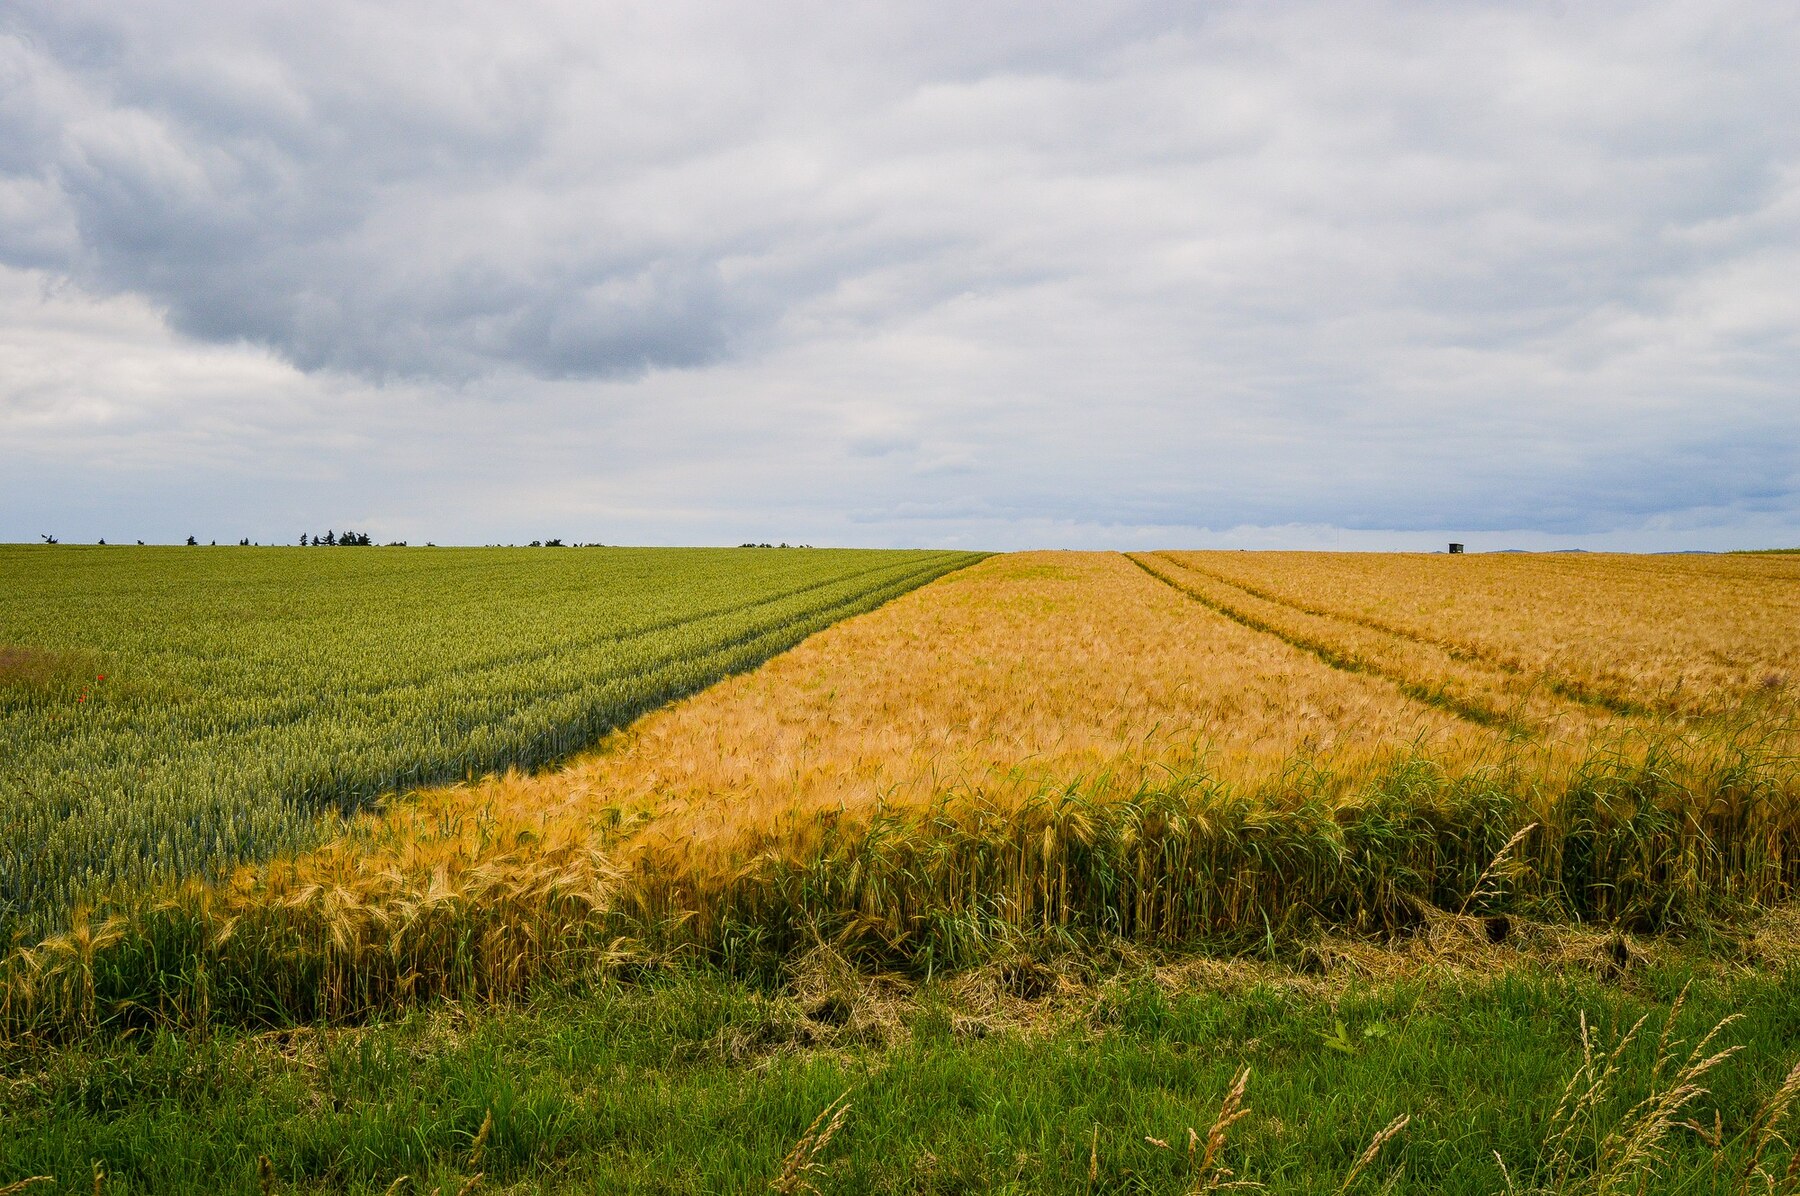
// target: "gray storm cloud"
[[903, 266], [570, 190]]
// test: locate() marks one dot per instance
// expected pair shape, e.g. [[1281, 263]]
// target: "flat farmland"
[[1041, 710], [1092, 743], [1027, 857], [167, 713]]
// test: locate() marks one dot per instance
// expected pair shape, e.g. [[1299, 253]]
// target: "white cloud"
[[904, 273]]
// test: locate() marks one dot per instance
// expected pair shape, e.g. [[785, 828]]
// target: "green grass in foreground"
[[168, 712], [698, 1084]]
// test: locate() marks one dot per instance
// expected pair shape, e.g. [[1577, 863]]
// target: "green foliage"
[[693, 1083], [233, 698]]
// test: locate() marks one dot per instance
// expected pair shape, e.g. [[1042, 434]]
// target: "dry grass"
[[802, 1162]]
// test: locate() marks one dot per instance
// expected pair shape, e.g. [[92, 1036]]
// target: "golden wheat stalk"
[[1209, 1172], [13, 1189], [1382, 1138], [802, 1162], [1479, 892], [480, 1144]]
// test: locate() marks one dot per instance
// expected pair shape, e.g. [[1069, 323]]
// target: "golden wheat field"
[[1037, 671], [1172, 748], [1677, 634]]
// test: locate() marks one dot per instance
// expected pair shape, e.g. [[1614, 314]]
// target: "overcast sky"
[[995, 275]]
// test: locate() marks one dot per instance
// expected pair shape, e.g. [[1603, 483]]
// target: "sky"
[[1001, 275]]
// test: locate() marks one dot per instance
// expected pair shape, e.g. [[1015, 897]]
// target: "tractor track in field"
[[1466, 708], [1572, 691]]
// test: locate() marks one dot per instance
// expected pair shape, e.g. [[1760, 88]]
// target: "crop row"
[[225, 701]]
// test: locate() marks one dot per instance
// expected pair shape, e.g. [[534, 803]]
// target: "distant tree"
[[330, 538], [191, 541], [557, 543], [140, 543], [102, 539]]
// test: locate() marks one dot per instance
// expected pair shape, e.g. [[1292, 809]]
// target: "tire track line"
[[1564, 688], [1474, 712]]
